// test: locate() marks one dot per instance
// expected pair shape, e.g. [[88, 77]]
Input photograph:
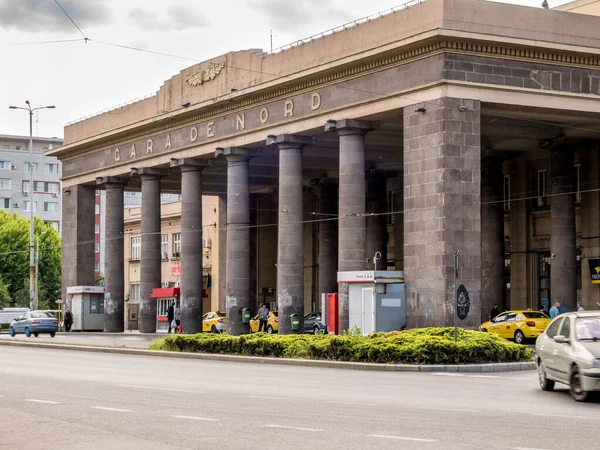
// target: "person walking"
[[555, 311], [68, 321], [495, 312], [177, 317], [170, 317], [263, 317], [580, 308]]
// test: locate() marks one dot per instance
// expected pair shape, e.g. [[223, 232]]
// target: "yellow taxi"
[[214, 322], [272, 324], [518, 325]]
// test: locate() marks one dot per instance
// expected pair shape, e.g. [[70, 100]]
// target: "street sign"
[[58, 301]]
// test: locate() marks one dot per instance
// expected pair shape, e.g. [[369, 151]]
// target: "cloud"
[[45, 15], [298, 15], [175, 18]]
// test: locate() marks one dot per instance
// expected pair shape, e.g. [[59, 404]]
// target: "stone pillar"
[[399, 224], [376, 224], [442, 183], [237, 282], [492, 236], [563, 274], [78, 203], [150, 263], [222, 249], [191, 243], [352, 225], [114, 272], [328, 239], [290, 243]]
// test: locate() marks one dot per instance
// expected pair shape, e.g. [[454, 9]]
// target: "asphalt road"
[[56, 399], [127, 339]]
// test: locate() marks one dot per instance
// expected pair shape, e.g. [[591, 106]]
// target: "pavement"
[[127, 339], [58, 399]]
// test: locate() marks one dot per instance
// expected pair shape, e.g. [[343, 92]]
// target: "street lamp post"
[[30, 110]]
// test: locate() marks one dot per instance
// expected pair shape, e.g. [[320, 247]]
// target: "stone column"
[[442, 183], [376, 224], [78, 203], [290, 243], [492, 236], [191, 243], [237, 282], [328, 239], [563, 274], [222, 252], [150, 263], [352, 225], [114, 262], [399, 224]]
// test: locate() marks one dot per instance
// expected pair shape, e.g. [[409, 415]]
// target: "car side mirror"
[[561, 339]]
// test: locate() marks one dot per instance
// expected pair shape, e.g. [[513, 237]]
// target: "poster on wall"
[[594, 270]]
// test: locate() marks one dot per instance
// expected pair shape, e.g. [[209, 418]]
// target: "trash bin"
[[245, 315], [295, 321]]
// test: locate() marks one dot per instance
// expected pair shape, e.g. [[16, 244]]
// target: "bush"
[[418, 346]]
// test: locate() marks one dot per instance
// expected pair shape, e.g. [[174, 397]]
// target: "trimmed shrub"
[[418, 346]]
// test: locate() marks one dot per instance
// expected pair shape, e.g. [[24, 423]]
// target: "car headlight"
[[596, 363]]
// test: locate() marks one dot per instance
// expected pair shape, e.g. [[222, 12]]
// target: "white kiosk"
[[376, 300], [87, 307]]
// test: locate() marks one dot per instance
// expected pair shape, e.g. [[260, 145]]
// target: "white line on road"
[[263, 397], [350, 403], [206, 419], [103, 408], [527, 448], [49, 402], [450, 409], [292, 428], [401, 438], [132, 386]]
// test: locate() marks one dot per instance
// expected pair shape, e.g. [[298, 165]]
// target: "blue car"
[[34, 322]]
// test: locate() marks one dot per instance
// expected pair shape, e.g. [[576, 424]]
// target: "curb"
[[492, 367]]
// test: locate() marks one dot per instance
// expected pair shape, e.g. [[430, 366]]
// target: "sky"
[[83, 78]]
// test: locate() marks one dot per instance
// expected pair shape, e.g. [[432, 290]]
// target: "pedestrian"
[[170, 317], [178, 316], [495, 312], [580, 308], [68, 320], [263, 317], [555, 311]]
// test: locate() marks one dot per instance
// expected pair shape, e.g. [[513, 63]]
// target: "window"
[[4, 203], [52, 168], [97, 209], [35, 167], [5, 165], [27, 206], [578, 181], [566, 328], [587, 328], [96, 266], [164, 246], [507, 193], [52, 188], [97, 247], [97, 192], [136, 248], [511, 317], [176, 244], [4, 183], [553, 328], [500, 318], [53, 223], [535, 315], [135, 292], [97, 228], [51, 207], [542, 200], [96, 305]]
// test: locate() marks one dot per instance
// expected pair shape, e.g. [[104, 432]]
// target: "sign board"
[[58, 302], [85, 290], [176, 271], [356, 277], [594, 270]]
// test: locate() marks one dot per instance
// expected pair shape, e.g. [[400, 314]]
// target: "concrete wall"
[[589, 7]]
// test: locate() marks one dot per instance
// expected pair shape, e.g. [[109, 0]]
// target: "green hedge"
[[418, 346]]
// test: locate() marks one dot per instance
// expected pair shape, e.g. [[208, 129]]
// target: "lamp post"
[[30, 110], [36, 297]]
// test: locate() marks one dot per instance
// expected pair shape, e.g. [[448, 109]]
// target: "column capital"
[[149, 172], [350, 126], [235, 153], [290, 140], [190, 164], [108, 182]]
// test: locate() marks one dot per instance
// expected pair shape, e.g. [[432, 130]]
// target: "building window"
[[176, 245], [97, 192], [136, 248], [96, 266], [97, 228], [53, 223], [542, 199], [97, 209], [4, 203], [5, 165], [507, 193], [164, 246], [51, 207], [4, 183], [42, 187], [27, 206], [578, 181], [96, 305], [97, 247], [27, 165], [52, 168], [135, 292]]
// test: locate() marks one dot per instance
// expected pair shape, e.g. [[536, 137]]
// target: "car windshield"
[[275, 313], [221, 314], [535, 315], [587, 328], [40, 315]]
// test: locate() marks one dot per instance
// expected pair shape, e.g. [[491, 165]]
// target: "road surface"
[[127, 339], [57, 399]]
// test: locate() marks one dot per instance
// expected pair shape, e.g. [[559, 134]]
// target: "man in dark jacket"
[[495, 312], [68, 321], [170, 316]]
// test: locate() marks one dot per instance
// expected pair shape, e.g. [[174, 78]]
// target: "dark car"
[[34, 322], [313, 323]]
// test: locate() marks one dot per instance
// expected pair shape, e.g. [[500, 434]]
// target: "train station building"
[[444, 126]]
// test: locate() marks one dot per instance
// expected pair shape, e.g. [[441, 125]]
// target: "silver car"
[[34, 322], [568, 352]]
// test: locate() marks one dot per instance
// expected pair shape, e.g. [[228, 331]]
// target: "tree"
[[14, 259], [99, 279], [5, 299]]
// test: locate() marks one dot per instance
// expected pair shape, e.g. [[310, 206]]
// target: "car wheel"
[[27, 332], [52, 334], [576, 389], [545, 383], [519, 337], [36, 334], [270, 329], [12, 332], [316, 330], [213, 329]]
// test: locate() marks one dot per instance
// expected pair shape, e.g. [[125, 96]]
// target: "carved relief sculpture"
[[203, 76]]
